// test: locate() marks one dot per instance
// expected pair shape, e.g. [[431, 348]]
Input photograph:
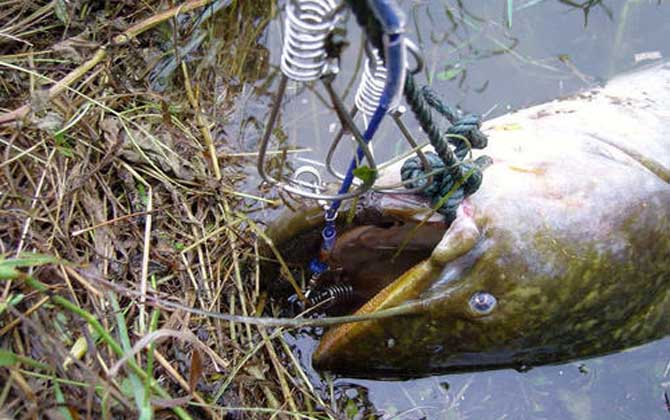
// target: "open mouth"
[[388, 235]]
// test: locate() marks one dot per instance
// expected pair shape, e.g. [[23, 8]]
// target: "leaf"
[[365, 174], [77, 351], [63, 145], [351, 409], [450, 73], [61, 11], [59, 137], [7, 358], [12, 301], [60, 399], [143, 193], [134, 386], [28, 259], [8, 267], [196, 370], [8, 272]]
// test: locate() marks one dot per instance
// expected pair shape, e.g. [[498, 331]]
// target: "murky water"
[[474, 60]]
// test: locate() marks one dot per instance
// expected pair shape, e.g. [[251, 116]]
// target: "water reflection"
[[626, 385]]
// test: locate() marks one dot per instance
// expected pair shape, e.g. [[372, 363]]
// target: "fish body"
[[563, 252]]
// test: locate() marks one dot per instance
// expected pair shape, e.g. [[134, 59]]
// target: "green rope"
[[459, 178], [465, 128], [422, 113], [434, 101]]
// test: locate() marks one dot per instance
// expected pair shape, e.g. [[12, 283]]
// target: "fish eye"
[[482, 303]]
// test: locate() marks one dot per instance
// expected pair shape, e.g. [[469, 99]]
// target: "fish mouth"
[[377, 241], [387, 239], [389, 256], [434, 279]]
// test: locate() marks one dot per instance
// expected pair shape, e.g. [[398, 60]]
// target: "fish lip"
[[417, 286]]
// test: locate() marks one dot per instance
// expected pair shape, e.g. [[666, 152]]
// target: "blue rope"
[[387, 12], [329, 232]]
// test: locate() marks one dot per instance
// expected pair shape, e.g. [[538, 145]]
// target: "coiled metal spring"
[[308, 24], [329, 296], [368, 96], [372, 83]]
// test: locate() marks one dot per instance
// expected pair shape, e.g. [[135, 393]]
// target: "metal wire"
[[367, 98], [308, 24], [299, 187]]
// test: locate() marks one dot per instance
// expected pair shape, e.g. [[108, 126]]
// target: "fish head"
[[561, 254], [539, 266]]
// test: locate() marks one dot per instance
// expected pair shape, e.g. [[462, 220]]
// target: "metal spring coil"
[[335, 294], [372, 84], [307, 25]]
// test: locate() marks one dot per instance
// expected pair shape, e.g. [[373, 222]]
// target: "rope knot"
[[413, 173], [457, 178], [449, 188], [465, 134]]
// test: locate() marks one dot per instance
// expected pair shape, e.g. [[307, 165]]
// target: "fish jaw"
[[344, 348]]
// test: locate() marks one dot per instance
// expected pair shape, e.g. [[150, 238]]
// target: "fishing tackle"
[[368, 96], [308, 24], [329, 296], [310, 53], [371, 87], [308, 56]]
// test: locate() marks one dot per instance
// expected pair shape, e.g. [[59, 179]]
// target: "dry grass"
[[133, 196]]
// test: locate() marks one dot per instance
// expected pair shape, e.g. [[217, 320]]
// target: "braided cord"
[[459, 178], [422, 112]]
